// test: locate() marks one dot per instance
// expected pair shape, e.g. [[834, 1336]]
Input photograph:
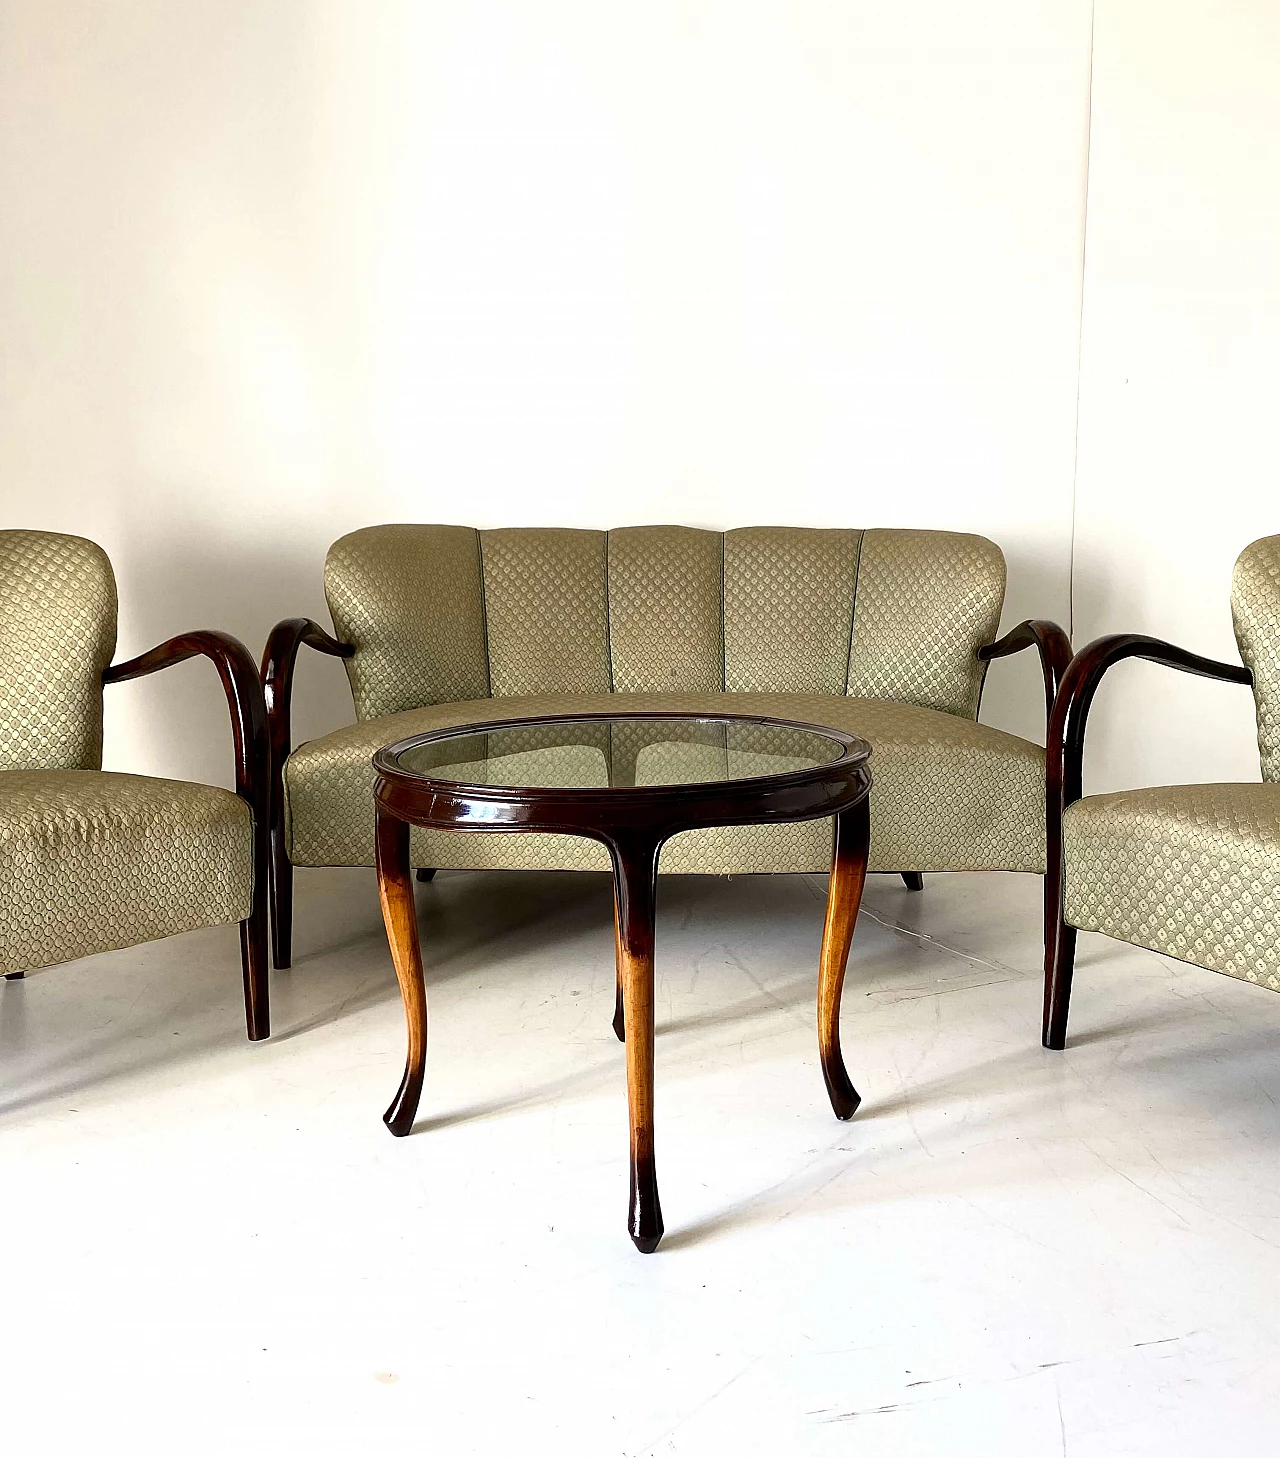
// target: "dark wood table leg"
[[395, 889], [619, 1015], [844, 896], [635, 866]]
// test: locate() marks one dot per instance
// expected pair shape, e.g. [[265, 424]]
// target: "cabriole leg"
[[844, 896], [635, 873], [395, 889]]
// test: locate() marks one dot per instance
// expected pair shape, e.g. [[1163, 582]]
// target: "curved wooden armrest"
[[278, 660], [1071, 712], [244, 699], [1049, 640]]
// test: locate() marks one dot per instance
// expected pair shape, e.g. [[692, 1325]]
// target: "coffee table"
[[631, 781]]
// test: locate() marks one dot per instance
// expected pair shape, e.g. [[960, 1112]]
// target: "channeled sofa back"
[[444, 613]]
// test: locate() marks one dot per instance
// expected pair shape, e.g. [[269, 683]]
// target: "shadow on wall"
[[176, 724]]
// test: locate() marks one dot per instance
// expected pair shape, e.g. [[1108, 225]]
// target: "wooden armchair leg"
[[14, 976], [913, 880], [426, 873], [281, 904]]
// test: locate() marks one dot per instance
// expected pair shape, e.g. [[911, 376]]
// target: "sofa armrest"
[[1050, 641]]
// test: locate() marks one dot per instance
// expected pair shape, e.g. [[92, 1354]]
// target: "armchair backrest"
[[438, 613], [57, 635], [1255, 611]]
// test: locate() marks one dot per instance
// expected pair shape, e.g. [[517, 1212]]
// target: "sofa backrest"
[[57, 634], [438, 613], [1255, 611]]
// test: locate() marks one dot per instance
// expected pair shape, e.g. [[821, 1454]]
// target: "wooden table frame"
[[633, 823]]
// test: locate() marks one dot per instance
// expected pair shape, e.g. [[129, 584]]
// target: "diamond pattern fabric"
[[546, 607], [788, 609], [1255, 610], [91, 861], [948, 793], [1189, 870], [409, 599], [57, 634], [664, 610], [926, 602]]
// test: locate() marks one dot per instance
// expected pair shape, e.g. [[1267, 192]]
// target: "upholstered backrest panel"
[[409, 599], [664, 610], [546, 607], [788, 609], [926, 602], [1255, 610], [57, 634]]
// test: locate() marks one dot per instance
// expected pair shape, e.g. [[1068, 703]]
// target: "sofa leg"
[[913, 880], [14, 976], [426, 873], [281, 904], [253, 958]]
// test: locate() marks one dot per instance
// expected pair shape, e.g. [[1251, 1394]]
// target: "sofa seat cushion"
[[948, 793], [1189, 870], [91, 861]]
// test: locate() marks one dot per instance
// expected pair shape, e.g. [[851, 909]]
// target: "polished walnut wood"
[[395, 889], [1063, 772], [1049, 640], [253, 765], [426, 873], [633, 823], [844, 897], [913, 880], [278, 660]]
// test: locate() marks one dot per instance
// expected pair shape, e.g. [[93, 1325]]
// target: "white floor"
[[216, 1248]]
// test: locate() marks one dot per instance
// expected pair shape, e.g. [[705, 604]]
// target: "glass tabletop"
[[607, 753]]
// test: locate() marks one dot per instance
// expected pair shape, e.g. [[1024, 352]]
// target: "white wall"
[[274, 271], [1179, 451]]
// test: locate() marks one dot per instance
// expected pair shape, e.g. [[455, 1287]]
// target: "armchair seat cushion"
[[1189, 870], [948, 793], [91, 861]]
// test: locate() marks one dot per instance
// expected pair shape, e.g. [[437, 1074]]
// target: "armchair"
[[92, 861], [1192, 871]]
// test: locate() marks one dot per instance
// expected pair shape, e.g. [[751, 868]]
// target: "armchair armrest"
[[1049, 640], [244, 700], [1075, 698]]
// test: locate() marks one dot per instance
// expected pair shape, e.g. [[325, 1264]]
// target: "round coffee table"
[[631, 781]]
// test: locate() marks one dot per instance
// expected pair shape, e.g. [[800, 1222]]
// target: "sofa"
[[883, 633]]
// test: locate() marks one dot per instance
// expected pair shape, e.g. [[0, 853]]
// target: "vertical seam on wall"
[[1084, 248]]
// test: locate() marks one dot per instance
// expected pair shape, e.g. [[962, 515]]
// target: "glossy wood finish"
[[253, 765], [14, 976], [913, 880], [633, 823], [635, 867], [278, 660], [395, 889], [426, 873], [1050, 641], [1063, 770], [844, 897]]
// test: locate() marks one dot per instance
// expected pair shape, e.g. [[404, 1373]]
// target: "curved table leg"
[[635, 866], [395, 889], [844, 895]]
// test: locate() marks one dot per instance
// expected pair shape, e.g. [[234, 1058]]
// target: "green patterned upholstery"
[[91, 861], [875, 632], [1189, 870], [950, 794], [1193, 871], [1255, 609], [57, 634]]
